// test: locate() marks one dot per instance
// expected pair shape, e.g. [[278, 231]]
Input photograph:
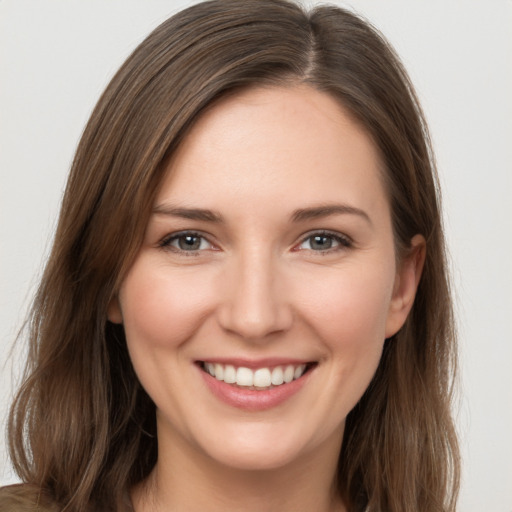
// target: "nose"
[[254, 304]]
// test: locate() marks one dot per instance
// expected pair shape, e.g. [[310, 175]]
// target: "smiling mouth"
[[260, 379]]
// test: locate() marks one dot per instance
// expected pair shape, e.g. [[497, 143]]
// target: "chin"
[[254, 458], [268, 447]]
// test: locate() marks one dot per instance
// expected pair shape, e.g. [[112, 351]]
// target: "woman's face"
[[268, 262]]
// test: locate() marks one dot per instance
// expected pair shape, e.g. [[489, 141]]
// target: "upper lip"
[[268, 362]]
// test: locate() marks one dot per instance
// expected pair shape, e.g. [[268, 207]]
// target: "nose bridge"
[[254, 304]]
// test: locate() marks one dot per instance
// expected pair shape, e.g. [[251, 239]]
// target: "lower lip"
[[251, 399]]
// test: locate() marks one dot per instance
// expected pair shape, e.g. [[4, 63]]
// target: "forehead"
[[275, 144]]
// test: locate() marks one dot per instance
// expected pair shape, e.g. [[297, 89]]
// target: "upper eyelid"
[[326, 232], [167, 239], [185, 232]]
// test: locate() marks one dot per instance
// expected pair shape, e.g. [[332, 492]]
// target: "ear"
[[406, 283], [114, 313]]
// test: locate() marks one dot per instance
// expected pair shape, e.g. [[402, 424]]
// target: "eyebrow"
[[188, 213], [300, 215], [320, 211]]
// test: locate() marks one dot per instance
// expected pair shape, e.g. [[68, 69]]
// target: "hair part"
[[81, 427]]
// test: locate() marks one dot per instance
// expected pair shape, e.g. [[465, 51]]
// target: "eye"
[[324, 241], [186, 241]]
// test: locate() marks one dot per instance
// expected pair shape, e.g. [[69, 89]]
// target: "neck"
[[185, 479]]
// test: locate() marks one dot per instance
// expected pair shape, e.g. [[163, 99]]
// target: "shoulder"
[[25, 498]]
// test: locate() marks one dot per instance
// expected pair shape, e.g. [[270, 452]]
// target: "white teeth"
[[229, 374], [299, 371], [260, 378], [288, 373], [244, 377], [277, 376], [219, 372]]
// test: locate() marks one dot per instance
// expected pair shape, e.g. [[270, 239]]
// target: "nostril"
[[257, 324]]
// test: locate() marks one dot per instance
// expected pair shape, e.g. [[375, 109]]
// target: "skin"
[[258, 287]]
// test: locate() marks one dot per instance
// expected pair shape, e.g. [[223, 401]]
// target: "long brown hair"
[[82, 430]]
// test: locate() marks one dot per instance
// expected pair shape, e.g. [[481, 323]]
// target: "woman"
[[246, 306]]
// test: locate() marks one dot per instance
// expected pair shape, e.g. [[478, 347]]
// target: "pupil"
[[321, 242], [189, 243]]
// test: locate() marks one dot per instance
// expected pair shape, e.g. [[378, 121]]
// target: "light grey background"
[[56, 56]]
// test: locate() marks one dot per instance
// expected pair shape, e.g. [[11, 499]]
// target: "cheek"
[[345, 309], [162, 306], [349, 307]]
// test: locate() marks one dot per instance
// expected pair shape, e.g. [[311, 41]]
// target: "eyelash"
[[167, 241], [344, 242]]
